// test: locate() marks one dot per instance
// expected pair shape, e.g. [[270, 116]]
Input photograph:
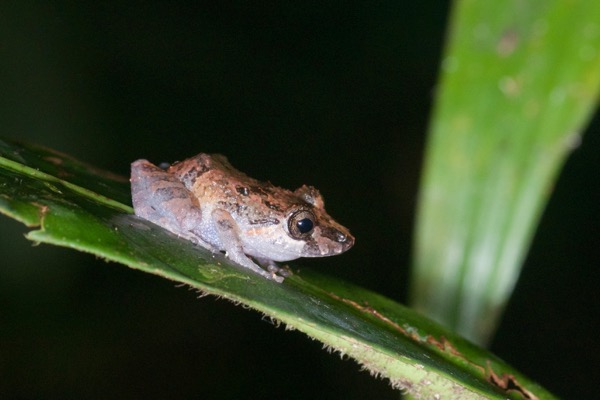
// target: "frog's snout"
[[343, 239]]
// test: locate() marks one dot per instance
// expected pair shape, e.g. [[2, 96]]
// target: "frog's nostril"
[[348, 241], [341, 238]]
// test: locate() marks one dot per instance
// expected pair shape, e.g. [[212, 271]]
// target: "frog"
[[256, 224]]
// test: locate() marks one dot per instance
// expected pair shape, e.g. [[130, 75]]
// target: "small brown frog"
[[206, 200]]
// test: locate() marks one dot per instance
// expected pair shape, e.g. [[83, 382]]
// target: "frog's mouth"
[[329, 242]]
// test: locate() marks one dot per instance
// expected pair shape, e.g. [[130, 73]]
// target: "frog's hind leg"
[[229, 236], [161, 198]]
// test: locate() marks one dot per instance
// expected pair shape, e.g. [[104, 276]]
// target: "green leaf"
[[80, 207], [519, 83]]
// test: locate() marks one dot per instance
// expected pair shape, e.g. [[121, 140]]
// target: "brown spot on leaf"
[[54, 160], [508, 383], [508, 43]]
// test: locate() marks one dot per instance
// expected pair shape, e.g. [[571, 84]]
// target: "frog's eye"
[[301, 224]]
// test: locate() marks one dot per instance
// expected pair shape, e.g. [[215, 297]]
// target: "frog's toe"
[[273, 268], [285, 271]]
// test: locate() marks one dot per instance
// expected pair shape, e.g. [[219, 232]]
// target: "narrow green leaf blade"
[[518, 84], [414, 353]]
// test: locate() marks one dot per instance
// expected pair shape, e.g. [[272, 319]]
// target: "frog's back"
[[207, 167]]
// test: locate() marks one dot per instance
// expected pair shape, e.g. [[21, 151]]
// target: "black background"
[[332, 94]]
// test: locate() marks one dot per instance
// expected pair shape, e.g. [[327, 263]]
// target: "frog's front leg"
[[229, 235], [161, 198], [272, 267]]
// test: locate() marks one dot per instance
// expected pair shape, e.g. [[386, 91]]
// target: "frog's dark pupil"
[[305, 225]]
